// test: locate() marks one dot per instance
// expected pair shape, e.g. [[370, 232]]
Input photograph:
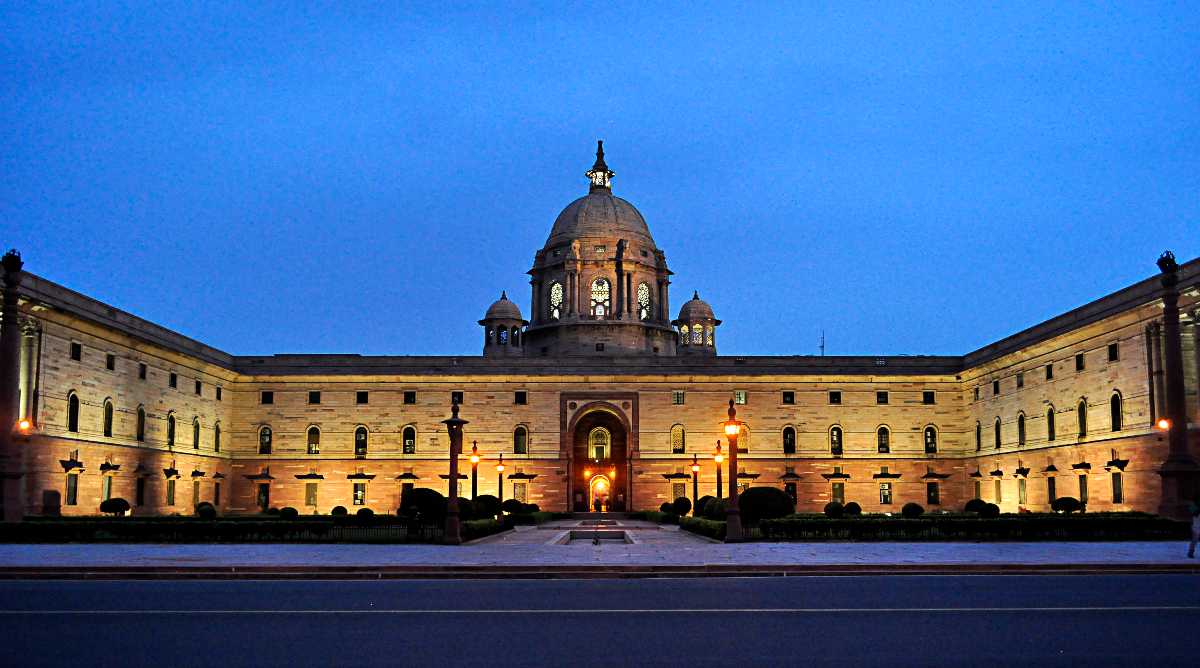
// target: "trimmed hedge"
[[307, 529], [538, 517], [1030, 526], [473, 529], [659, 517], [764, 503], [703, 527]]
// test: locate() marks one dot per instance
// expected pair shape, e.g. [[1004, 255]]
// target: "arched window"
[[685, 334], [515, 338], [73, 412], [170, 429], [835, 440], [502, 336], [883, 440], [408, 438], [217, 437], [997, 434], [930, 440], [697, 335], [1082, 411], [601, 298], [556, 300], [599, 441], [708, 335], [978, 436], [489, 336], [264, 441], [520, 441], [108, 418], [1050, 433], [195, 433], [141, 423], [314, 441], [1114, 410], [678, 440], [643, 297], [360, 442], [789, 441], [1020, 429]]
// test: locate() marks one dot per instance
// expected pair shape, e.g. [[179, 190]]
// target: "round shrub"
[[339, 511], [715, 510], [974, 506], [424, 504], [665, 507], [834, 509], [701, 503], [990, 511], [288, 513], [511, 506], [206, 511], [852, 509], [114, 506], [365, 513], [682, 506], [532, 508], [1066, 504], [764, 503], [272, 511], [912, 510], [466, 509], [486, 506]]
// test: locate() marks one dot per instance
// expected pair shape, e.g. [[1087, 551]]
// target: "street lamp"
[[474, 469], [695, 482], [500, 480], [733, 517], [718, 458], [454, 425]]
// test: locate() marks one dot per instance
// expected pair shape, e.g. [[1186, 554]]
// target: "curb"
[[568, 572]]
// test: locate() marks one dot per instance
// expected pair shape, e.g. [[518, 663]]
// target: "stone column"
[[28, 379], [10, 341], [1160, 390], [1179, 471], [1151, 390]]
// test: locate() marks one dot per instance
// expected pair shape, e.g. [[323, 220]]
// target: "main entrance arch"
[[599, 460]]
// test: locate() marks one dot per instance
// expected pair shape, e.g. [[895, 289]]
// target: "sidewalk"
[[529, 552]]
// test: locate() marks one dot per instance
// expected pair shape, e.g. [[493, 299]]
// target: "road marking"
[[590, 611]]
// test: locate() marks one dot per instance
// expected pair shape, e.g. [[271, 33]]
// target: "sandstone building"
[[602, 393]]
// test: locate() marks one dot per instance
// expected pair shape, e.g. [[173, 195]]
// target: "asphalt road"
[[848, 620]]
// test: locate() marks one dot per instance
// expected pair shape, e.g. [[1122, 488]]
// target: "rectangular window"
[[1020, 379], [410, 397], [266, 397], [195, 492], [310, 493], [360, 493], [1049, 372], [262, 497], [678, 490], [1022, 496], [677, 397], [838, 492], [1117, 488], [789, 397], [106, 488], [881, 398], [978, 489], [405, 488], [218, 391], [1114, 352], [314, 396], [927, 397], [999, 491], [456, 398], [139, 492], [1051, 493], [835, 398], [141, 371], [977, 394], [739, 397], [362, 397], [76, 351], [932, 495], [173, 380], [199, 386], [171, 492], [110, 361], [519, 489], [520, 397], [72, 495], [1079, 362], [217, 494], [995, 387], [885, 493], [789, 488], [1083, 492]]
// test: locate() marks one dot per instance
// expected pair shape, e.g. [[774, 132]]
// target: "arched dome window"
[[643, 300], [601, 298], [108, 418], [408, 438], [931, 438], [708, 335], [515, 338], [835, 440], [698, 335], [883, 440], [502, 336], [556, 300], [264, 441], [314, 441], [789, 441], [685, 333], [599, 441], [360, 442]]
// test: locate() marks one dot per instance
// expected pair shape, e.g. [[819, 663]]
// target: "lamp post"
[[500, 481], [454, 425], [474, 469], [733, 517], [1179, 471], [718, 459], [695, 482]]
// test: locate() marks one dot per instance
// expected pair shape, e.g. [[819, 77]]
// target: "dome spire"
[[600, 174]]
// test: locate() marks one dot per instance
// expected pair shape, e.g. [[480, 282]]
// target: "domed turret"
[[503, 329], [697, 327]]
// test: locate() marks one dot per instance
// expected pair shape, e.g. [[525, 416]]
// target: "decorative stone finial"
[[1166, 263], [12, 262], [732, 410], [503, 296], [600, 174], [696, 295]]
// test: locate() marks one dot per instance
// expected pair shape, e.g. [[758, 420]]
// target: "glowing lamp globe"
[[731, 429], [1163, 423], [24, 425]]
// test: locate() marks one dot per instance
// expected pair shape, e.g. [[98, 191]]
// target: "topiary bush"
[[974, 506], [1066, 504], [764, 503], [114, 506], [206, 511], [466, 509], [365, 513], [665, 507], [701, 503], [339, 511], [990, 511], [912, 510], [423, 504], [715, 510], [852, 509], [288, 513], [272, 511], [486, 506], [511, 506], [531, 508], [834, 509], [682, 506]]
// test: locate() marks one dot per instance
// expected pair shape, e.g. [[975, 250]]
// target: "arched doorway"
[[599, 468]]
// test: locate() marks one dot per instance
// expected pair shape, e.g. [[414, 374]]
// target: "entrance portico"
[[600, 443]]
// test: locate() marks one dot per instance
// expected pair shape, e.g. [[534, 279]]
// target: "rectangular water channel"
[[594, 537]]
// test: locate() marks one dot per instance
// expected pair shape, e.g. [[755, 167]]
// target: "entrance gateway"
[[600, 444]]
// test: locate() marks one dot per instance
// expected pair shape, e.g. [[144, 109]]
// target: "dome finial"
[[600, 174], [696, 295], [504, 295]]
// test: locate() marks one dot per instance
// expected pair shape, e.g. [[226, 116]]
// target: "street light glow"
[[1163, 423]]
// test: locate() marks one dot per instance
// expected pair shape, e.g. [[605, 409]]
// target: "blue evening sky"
[[919, 178]]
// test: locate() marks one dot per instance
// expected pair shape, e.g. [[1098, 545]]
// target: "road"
[[845, 620]]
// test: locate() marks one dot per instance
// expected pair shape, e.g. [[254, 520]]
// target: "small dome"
[[503, 309], [695, 309]]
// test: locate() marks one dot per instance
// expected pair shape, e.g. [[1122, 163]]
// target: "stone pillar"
[[10, 341], [1151, 390], [28, 378], [1179, 471], [1160, 390]]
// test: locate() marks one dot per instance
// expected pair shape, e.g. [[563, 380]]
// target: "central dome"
[[600, 214]]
